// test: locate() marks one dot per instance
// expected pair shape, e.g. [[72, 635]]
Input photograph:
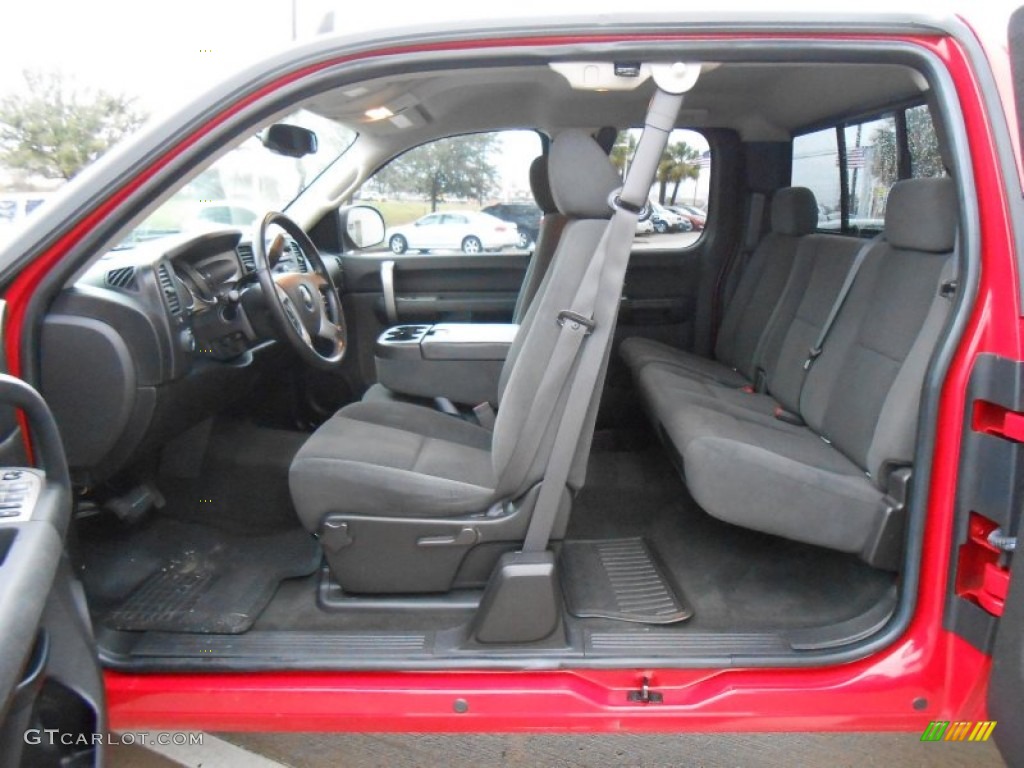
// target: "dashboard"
[[151, 341]]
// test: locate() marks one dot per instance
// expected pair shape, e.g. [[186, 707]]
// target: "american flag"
[[704, 161], [856, 157]]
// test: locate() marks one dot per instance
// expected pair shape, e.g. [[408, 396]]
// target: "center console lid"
[[459, 361]]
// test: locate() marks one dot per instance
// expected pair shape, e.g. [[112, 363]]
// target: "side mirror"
[[363, 226], [289, 140]]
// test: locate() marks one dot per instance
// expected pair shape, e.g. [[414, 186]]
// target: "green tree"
[[55, 129], [623, 151], [679, 162], [461, 166], [924, 148]]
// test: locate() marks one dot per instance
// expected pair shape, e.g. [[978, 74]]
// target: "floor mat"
[[618, 579], [735, 579], [217, 584]]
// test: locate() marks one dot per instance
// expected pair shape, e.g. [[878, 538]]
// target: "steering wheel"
[[305, 306]]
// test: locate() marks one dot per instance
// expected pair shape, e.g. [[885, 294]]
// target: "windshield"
[[244, 184]]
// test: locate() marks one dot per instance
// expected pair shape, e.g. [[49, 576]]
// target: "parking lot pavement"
[[299, 750]]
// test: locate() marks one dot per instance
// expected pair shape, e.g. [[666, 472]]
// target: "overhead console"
[[458, 361]]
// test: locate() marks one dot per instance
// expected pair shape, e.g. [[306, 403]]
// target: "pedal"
[[133, 506]]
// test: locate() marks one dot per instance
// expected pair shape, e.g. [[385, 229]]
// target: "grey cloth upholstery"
[[749, 315], [388, 459], [794, 211], [823, 483], [392, 456], [540, 185], [908, 220], [581, 177], [548, 235]]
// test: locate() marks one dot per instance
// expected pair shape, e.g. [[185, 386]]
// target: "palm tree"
[[683, 165]]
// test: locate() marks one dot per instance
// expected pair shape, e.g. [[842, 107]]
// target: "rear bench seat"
[[812, 458], [794, 213]]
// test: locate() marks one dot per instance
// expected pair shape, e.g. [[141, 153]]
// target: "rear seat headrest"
[[581, 175], [540, 185], [794, 211], [921, 215]]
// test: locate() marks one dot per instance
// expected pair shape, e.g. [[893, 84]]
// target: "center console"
[[458, 361]]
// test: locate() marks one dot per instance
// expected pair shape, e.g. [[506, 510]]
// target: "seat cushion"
[[392, 459], [639, 352], [667, 389], [775, 477]]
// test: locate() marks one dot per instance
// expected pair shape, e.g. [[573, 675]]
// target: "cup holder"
[[405, 333]]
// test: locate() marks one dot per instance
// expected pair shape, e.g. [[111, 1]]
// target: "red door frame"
[[927, 674]]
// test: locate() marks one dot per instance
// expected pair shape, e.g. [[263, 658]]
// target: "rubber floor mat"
[[618, 579], [219, 585]]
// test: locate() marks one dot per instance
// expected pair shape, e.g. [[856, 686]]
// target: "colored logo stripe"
[[943, 730]]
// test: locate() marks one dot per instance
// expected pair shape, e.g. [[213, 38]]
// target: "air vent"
[[245, 255], [163, 274], [297, 256], [123, 278]]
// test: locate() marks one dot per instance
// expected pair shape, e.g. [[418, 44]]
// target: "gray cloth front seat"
[[407, 499]]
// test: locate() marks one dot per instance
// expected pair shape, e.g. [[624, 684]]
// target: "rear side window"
[[851, 166]]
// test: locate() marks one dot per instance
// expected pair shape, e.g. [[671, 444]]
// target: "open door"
[[51, 689], [1006, 686]]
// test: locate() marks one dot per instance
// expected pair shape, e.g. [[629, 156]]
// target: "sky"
[[165, 53]]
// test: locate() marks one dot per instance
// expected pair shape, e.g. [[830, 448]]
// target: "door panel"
[[427, 289], [1006, 682], [49, 674]]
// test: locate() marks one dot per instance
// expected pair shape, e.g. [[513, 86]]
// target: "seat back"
[[582, 179], [863, 393], [794, 214], [551, 224]]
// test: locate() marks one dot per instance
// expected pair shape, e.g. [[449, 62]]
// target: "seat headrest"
[[921, 215], [794, 211], [582, 177], [540, 185]]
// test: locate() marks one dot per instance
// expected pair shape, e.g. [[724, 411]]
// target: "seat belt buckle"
[[788, 417], [577, 320], [812, 354]]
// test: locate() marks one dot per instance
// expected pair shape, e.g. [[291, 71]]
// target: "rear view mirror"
[[289, 140], [363, 226]]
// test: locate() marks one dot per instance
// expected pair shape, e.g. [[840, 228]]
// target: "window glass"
[[679, 195], [925, 160], [458, 177], [871, 170], [870, 152], [816, 166]]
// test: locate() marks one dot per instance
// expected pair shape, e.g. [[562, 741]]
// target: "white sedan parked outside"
[[469, 231]]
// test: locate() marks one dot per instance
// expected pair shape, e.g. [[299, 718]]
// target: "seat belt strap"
[[601, 288], [844, 291]]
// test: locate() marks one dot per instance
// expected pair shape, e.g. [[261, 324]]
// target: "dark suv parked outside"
[[526, 217]]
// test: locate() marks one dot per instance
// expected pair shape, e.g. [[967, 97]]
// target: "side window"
[[448, 183], [816, 166], [679, 196], [852, 166]]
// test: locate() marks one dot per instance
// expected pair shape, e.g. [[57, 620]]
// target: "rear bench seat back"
[[794, 214], [863, 393], [822, 263], [825, 483]]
